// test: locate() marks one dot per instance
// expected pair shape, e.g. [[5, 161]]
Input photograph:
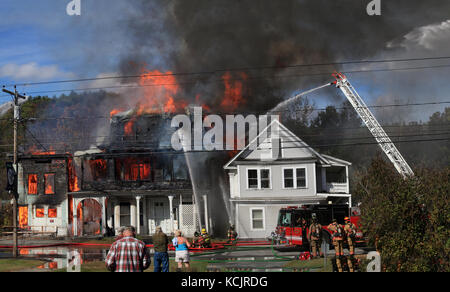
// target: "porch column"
[[75, 217], [104, 201], [346, 180], [205, 201], [116, 215], [171, 212], [138, 214], [144, 209], [324, 179], [194, 212], [133, 213]]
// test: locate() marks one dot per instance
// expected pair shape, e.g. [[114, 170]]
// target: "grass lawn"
[[312, 264], [16, 265], [99, 266]]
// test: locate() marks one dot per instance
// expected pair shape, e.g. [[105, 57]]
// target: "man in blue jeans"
[[160, 242]]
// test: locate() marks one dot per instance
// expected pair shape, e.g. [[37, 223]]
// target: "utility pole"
[[16, 96]]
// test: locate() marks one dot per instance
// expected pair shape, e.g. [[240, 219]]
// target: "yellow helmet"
[[203, 230], [346, 219]]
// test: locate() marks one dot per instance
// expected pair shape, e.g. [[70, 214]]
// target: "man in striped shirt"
[[128, 254]]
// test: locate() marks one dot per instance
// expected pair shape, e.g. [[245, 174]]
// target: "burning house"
[[133, 178]]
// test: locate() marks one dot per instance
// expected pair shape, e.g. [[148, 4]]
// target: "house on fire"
[[281, 171], [132, 178]]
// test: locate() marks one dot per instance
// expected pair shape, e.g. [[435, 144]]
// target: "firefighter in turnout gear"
[[315, 237], [206, 238], [350, 232], [231, 234], [338, 239]]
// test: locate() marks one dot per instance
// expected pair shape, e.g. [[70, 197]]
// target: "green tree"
[[407, 220]]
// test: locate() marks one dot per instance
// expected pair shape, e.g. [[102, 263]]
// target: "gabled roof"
[[286, 134]]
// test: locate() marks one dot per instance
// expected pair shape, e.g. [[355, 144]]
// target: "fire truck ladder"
[[369, 120], [372, 124]]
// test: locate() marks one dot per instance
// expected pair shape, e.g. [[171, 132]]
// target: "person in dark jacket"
[[160, 242]]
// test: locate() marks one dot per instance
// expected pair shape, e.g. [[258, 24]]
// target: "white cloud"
[[33, 72], [428, 37]]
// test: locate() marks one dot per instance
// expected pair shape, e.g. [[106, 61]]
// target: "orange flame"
[[49, 182], [73, 179], [23, 216], [34, 151], [39, 212], [159, 91], [52, 213], [233, 92], [32, 184]]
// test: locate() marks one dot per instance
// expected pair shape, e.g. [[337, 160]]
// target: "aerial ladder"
[[369, 120]]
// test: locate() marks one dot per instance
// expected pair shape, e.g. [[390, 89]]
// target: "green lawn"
[[16, 265], [315, 264], [99, 266]]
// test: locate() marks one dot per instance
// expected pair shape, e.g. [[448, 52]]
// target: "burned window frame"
[[49, 212], [46, 175], [28, 183]]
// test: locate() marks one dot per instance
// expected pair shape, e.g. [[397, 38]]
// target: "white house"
[[281, 171]]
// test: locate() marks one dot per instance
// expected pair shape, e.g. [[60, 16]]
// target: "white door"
[[162, 215]]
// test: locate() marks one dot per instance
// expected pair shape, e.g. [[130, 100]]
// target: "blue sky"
[[41, 42]]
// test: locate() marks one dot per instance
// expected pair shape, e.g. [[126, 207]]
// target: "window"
[[258, 179], [294, 178], [301, 177], [252, 179], [49, 181], [288, 178], [133, 169], [32, 184], [39, 212], [257, 216], [52, 212], [265, 178], [99, 169]]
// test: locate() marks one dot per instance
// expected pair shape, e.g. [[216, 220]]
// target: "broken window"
[[49, 180], [23, 216], [133, 169], [99, 169], [180, 168], [39, 212], [52, 212], [32, 184]]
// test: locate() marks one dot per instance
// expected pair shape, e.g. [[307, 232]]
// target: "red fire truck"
[[289, 231]]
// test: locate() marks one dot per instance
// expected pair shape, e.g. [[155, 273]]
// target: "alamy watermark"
[[198, 133], [74, 8]]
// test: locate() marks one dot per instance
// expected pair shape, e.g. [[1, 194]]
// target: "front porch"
[[145, 211]]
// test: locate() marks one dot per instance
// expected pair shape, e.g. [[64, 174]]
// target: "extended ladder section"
[[372, 124]]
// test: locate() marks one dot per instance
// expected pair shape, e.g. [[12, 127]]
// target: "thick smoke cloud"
[[198, 36]]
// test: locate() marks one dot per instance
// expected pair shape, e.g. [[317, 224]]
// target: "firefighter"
[[315, 237], [206, 238], [350, 233], [338, 237], [231, 234], [197, 242]]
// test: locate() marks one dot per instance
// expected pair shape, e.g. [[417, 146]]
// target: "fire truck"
[[292, 219], [289, 227]]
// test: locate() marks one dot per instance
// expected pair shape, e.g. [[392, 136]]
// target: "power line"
[[115, 154], [237, 79], [235, 69], [88, 138], [247, 112]]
